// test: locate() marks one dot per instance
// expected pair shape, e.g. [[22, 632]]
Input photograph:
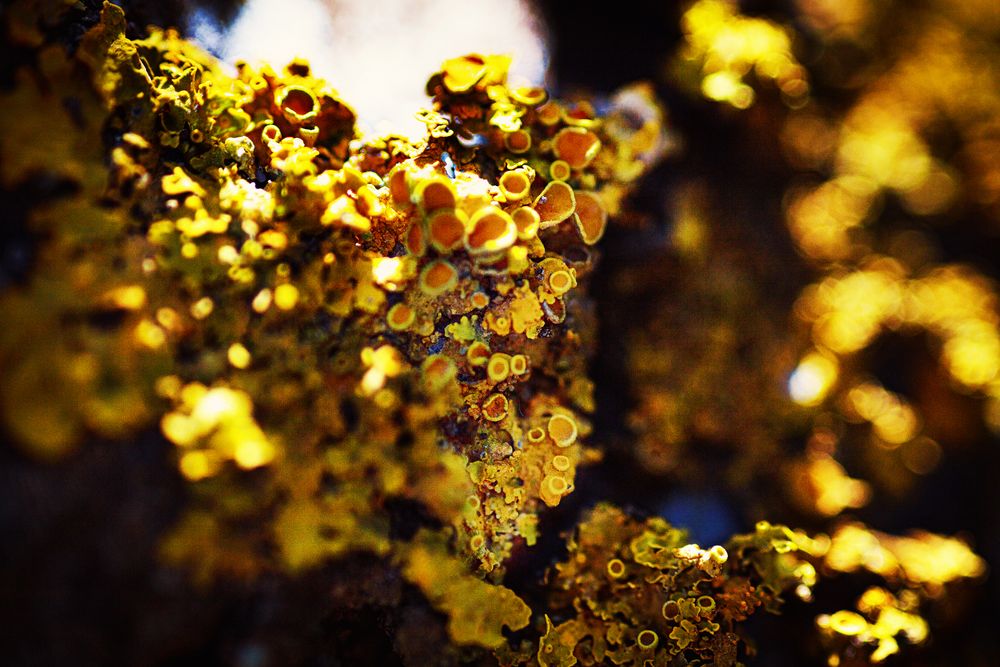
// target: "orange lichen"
[[560, 170], [478, 353], [590, 216], [490, 230], [515, 185], [518, 141], [398, 188], [297, 103], [437, 371], [560, 282], [529, 95], [479, 300], [416, 242], [562, 429], [623, 577], [495, 407], [446, 230], [297, 300], [647, 639], [498, 367], [270, 133], [438, 277], [554, 204], [549, 113], [518, 364], [527, 221], [435, 193], [461, 74], [577, 146], [554, 487], [477, 611], [400, 317]]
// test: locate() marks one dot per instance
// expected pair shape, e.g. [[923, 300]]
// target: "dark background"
[[79, 582]]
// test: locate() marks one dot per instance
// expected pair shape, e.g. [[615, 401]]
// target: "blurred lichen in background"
[[380, 347]]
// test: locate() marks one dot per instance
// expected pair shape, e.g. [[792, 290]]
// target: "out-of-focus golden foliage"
[[918, 566], [918, 138], [708, 358], [890, 153], [726, 51], [909, 158], [875, 180]]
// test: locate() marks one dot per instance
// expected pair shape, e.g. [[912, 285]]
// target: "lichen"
[[298, 309], [637, 592], [378, 345]]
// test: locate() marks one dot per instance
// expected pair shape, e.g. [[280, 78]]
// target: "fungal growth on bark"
[[376, 348]]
